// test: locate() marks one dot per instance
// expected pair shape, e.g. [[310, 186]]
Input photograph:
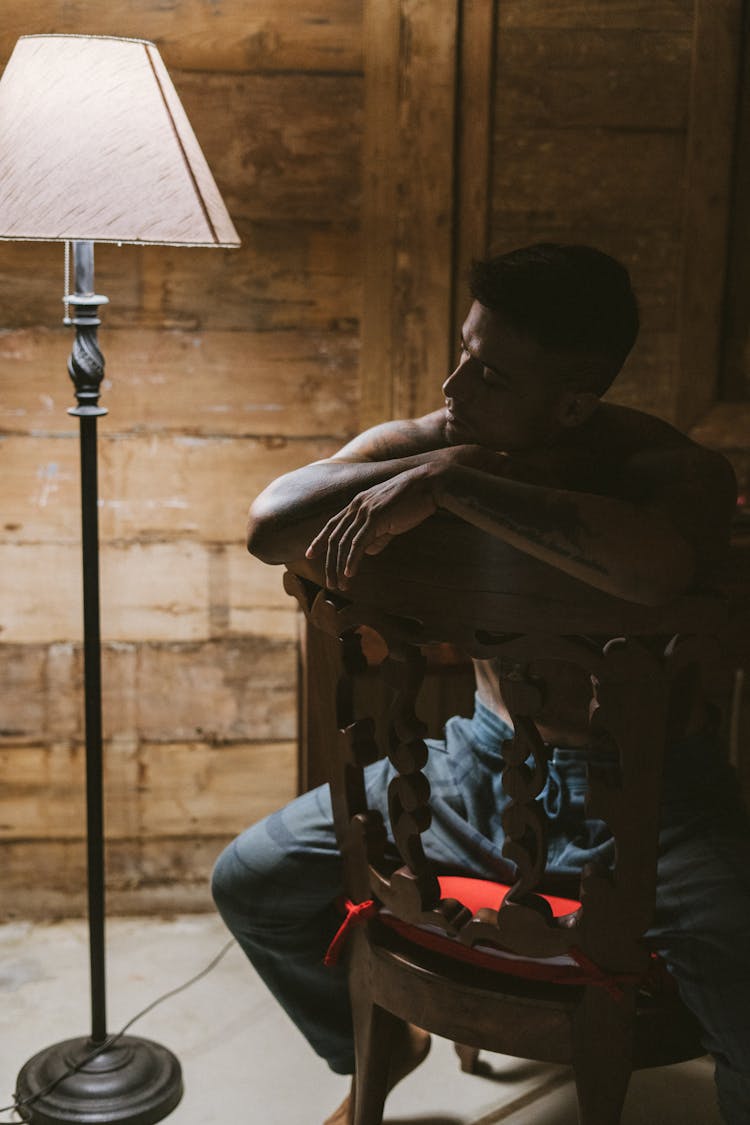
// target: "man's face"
[[506, 391]]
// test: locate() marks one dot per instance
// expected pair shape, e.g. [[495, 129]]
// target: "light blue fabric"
[[276, 884]]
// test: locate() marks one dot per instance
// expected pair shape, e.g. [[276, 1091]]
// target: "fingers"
[[345, 538], [335, 540], [345, 545], [362, 536], [365, 526], [319, 543]]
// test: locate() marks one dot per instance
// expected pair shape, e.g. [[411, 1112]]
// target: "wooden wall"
[[224, 368], [366, 149]]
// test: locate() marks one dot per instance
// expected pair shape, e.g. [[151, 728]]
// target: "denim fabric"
[[276, 884]]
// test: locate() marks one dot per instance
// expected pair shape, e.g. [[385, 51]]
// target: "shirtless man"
[[525, 450]]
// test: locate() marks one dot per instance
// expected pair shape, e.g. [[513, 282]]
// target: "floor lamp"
[[95, 146]]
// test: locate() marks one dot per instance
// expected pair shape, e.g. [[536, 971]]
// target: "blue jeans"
[[276, 884]]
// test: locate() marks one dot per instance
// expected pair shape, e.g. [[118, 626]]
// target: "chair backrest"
[[643, 664]]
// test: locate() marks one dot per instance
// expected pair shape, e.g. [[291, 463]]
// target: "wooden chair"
[[424, 957]]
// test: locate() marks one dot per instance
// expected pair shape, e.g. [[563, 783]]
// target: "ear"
[[575, 407]]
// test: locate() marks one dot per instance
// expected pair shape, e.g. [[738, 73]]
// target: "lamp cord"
[[19, 1104]]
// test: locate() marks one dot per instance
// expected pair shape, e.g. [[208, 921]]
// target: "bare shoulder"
[[662, 469], [403, 437], [654, 456]]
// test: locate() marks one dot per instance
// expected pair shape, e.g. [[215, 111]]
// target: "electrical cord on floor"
[[20, 1104]]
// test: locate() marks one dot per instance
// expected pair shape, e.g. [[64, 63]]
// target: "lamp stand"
[[130, 1081]]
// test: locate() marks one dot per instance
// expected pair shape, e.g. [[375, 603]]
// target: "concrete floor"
[[245, 1064]]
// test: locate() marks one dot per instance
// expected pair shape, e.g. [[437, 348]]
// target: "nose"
[[460, 378]]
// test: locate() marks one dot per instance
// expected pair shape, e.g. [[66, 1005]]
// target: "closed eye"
[[490, 376], [493, 378]]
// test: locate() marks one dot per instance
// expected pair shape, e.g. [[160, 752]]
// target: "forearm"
[[608, 543], [291, 510], [286, 515]]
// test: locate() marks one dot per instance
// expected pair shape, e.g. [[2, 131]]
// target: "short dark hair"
[[567, 298]]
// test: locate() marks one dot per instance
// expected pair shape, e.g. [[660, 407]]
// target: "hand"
[[371, 520]]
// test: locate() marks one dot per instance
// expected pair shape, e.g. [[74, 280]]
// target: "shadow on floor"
[[423, 1121], [518, 1071]]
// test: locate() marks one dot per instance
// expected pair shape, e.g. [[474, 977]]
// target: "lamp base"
[[133, 1082]]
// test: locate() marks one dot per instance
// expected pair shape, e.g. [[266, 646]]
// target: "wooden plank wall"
[[367, 150], [224, 368], [584, 120], [736, 355], [614, 125]]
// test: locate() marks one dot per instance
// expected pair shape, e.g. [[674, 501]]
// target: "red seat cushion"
[[475, 894], [572, 968]]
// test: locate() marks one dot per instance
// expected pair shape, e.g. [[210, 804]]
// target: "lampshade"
[[95, 145]]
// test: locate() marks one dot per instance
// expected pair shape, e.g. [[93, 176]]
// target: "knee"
[[223, 878], [239, 888]]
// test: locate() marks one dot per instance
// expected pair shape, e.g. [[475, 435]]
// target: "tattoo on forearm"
[[557, 524], [389, 446]]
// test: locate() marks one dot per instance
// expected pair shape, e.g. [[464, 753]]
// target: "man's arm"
[[289, 512], [646, 545]]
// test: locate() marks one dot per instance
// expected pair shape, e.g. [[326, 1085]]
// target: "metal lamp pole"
[[96, 1079]]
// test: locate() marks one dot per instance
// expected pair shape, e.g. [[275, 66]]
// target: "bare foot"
[[406, 1057]]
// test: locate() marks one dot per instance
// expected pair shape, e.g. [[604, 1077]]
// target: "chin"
[[459, 434], [451, 431]]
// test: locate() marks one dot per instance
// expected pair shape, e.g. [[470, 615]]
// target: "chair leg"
[[603, 1055], [375, 1031], [468, 1057]]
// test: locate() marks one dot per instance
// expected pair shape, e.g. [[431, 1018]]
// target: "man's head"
[[550, 327]]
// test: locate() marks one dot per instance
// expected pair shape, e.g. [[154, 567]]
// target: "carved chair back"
[[643, 667]]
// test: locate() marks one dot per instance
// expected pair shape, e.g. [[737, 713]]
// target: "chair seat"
[[572, 968], [506, 1012], [476, 894]]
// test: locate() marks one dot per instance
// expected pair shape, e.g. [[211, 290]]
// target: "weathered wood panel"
[[711, 136], [474, 138], [155, 487], [676, 15], [287, 275], [616, 190], [150, 591], [191, 789], [424, 205], [241, 689], [408, 205], [240, 611], [614, 79], [23, 675], [295, 275], [227, 35], [287, 155], [46, 879], [201, 383], [735, 373], [44, 792], [587, 178], [201, 790], [591, 107], [224, 369], [380, 154]]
